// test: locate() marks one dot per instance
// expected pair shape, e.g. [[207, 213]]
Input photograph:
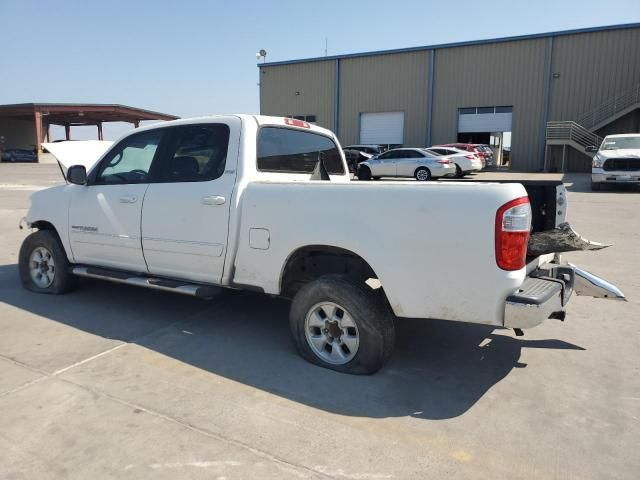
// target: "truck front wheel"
[[342, 325], [43, 264]]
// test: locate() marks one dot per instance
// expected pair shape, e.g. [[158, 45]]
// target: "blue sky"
[[196, 57]]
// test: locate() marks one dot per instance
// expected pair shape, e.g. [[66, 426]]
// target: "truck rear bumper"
[[546, 292]]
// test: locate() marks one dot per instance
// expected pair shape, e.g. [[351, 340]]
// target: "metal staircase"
[[568, 133], [571, 133], [579, 135], [612, 109]]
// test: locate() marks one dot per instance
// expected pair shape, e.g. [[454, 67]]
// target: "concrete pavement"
[[118, 382]]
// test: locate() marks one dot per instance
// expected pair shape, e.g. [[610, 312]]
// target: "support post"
[[430, 87], [38, 127], [67, 132], [99, 124], [564, 156], [136, 123], [336, 105], [548, 60], [48, 135]]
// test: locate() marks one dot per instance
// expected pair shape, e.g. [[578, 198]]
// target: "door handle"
[[128, 199], [213, 200]]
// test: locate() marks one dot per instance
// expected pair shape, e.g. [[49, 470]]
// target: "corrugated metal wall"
[[593, 68], [510, 73], [300, 89], [385, 83]]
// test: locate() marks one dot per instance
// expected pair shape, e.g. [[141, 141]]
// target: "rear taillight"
[[444, 161], [513, 223], [470, 157]]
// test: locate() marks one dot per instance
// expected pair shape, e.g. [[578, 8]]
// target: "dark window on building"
[[196, 153], [486, 110], [504, 109], [468, 111], [295, 151]]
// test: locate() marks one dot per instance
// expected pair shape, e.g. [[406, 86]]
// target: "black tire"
[[62, 281], [595, 186], [376, 178], [459, 172], [364, 173], [418, 175], [372, 317]]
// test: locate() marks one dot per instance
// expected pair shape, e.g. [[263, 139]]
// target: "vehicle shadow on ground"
[[439, 369]]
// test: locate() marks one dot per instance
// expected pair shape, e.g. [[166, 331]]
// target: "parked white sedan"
[[466, 162], [406, 162]]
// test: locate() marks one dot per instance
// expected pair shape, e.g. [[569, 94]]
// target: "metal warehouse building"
[[549, 95]]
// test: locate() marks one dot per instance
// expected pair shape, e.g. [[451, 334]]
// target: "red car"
[[483, 151]]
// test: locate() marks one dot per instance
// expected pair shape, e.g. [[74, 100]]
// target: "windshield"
[[618, 143]]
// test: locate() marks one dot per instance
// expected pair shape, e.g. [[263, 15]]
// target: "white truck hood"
[[78, 152], [620, 153]]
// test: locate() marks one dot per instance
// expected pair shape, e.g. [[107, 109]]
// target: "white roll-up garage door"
[[485, 122], [382, 128]]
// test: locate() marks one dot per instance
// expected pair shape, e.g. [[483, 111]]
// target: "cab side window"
[[130, 161], [196, 153], [287, 150]]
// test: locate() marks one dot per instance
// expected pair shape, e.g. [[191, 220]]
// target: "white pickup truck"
[[267, 204]]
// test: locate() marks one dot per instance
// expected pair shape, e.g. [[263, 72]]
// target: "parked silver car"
[[406, 162]]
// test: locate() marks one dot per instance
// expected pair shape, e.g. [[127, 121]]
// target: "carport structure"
[[23, 121]]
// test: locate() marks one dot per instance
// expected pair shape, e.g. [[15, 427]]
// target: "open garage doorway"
[[489, 126]]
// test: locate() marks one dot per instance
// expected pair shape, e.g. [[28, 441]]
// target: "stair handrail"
[[611, 107], [569, 130]]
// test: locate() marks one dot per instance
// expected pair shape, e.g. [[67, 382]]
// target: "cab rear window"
[[286, 150]]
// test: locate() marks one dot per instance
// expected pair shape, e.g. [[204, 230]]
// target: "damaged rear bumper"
[[546, 292]]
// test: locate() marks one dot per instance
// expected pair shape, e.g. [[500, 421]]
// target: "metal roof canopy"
[[81, 113], [76, 114], [453, 44]]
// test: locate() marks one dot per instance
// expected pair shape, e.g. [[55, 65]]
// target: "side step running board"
[[176, 286]]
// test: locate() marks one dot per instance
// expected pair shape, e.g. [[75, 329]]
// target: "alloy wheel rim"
[[42, 267], [331, 332], [422, 175]]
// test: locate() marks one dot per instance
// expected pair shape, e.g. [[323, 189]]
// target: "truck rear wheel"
[[43, 264], [342, 325]]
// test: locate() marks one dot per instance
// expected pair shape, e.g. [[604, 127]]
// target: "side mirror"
[[77, 174], [591, 149]]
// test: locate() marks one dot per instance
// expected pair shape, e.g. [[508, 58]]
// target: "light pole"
[[261, 54]]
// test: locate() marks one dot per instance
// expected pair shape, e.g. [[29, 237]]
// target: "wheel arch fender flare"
[[352, 261], [48, 225]]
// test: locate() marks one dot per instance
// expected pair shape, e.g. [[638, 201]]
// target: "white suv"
[[617, 161]]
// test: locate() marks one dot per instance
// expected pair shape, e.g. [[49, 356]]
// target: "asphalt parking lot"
[[117, 382]]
